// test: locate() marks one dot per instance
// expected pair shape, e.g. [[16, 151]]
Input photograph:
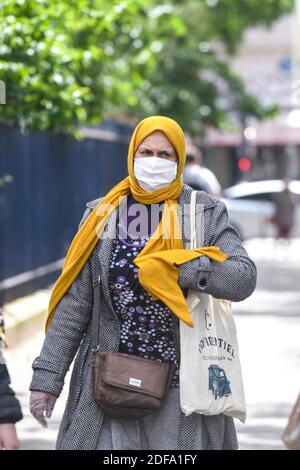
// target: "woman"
[[145, 273], [10, 411]]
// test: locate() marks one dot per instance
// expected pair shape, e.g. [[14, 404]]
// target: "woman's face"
[[156, 145]]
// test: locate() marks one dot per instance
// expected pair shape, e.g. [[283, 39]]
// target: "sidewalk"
[[26, 316]]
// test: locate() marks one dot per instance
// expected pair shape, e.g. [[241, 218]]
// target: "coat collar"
[[184, 198], [202, 197]]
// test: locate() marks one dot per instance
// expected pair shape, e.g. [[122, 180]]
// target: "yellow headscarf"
[[158, 261]]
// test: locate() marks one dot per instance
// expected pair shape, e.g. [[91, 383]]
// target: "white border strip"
[[30, 275]]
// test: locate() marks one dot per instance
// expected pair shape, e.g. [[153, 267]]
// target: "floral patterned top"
[[146, 324]]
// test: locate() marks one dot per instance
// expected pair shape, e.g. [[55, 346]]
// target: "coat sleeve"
[[69, 324], [10, 410], [235, 278]]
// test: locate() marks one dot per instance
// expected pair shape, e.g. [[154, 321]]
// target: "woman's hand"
[[41, 403], [8, 437]]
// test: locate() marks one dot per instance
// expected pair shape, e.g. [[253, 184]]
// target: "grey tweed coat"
[[71, 328]]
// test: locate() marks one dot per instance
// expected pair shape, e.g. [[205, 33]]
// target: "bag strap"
[[95, 314], [193, 236], [193, 296]]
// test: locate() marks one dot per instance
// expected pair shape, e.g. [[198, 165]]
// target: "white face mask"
[[154, 173]]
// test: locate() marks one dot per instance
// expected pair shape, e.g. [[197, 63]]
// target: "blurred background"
[[75, 78]]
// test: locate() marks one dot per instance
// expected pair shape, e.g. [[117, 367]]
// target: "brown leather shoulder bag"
[[124, 385]]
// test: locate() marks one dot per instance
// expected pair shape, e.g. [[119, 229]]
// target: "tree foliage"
[[71, 63]]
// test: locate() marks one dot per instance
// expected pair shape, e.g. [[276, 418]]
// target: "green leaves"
[[72, 63]]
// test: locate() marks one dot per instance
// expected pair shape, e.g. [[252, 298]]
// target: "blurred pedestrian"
[[284, 214], [125, 293], [10, 410], [196, 173], [192, 175]]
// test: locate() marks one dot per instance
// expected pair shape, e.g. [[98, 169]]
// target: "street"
[[268, 325]]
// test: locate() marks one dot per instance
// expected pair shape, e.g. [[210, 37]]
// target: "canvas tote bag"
[[210, 371]]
